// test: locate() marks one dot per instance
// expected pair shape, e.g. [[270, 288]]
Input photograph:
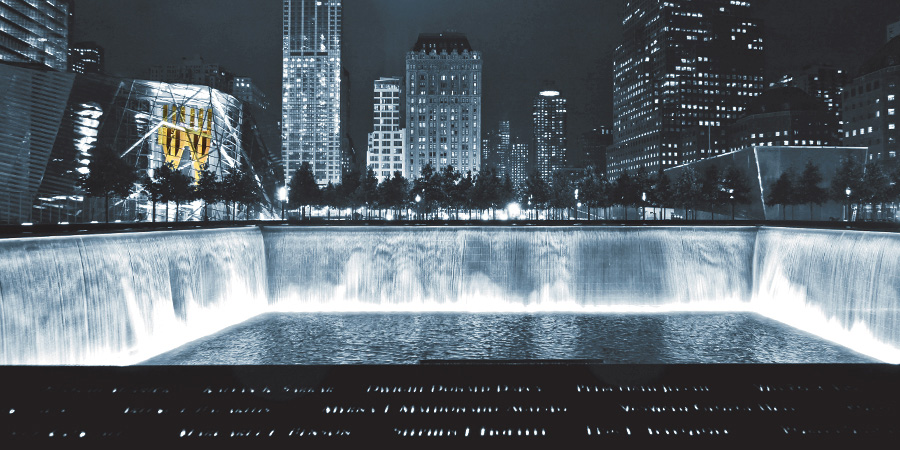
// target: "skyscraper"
[[86, 57], [311, 88], [35, 32], [550, 144], [388, 140], [518, 163], [872, 117], [681, 65], [443, 103], [503, 148]]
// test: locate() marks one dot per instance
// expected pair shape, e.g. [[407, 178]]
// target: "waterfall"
[[122, 298], [499, 269], [843, 286], [117, 299]]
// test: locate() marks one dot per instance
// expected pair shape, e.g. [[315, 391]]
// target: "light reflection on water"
[[373, 338]]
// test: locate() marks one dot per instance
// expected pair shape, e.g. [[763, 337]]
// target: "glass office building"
[[311, 88], [682, 65], [35, 32], [550, 130]]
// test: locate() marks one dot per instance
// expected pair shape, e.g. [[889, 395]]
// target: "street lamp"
[[643, 206], [577, 204], [418, 208], [282, 197], [731, 197], [849, 213]]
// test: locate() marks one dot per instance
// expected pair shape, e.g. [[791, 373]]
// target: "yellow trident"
[[186, 127]]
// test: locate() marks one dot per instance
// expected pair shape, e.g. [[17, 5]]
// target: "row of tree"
[[875, 183], [452, 192], [109, 176], [433, 191]]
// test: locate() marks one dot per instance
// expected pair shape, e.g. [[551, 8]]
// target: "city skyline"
[[377, 34]]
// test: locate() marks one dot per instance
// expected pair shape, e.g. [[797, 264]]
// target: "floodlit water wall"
[[119, 299], [840, 285], [506, 269], [110, 299]]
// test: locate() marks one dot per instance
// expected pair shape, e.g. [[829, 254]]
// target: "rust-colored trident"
[[186, 127]]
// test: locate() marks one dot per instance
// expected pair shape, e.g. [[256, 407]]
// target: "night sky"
[[525, 42]]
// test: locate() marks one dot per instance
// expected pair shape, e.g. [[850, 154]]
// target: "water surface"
[[380, 338]]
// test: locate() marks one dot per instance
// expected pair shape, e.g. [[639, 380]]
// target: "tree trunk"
[[167, 212], [107, 207]]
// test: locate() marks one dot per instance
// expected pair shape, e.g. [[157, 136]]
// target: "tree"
[[367, 192], [738, 188], [625, 192], [661, 190], [507, 191], [174, 186], [877, 185], [304, 190], [848, 176], [346, 191], [808, 189], [536, 193], [783, 191], [487, 190], [208, 189], [562, 191], [642, 186], [394, 191], [329, 197], [108, 176], [711, 189], [448, 180], [687, 190], [231, 191], [250, 193], [428, 188], [153, 189], [463, 192]]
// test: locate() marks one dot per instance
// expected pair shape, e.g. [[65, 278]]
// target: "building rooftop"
[[440, 42], [888, 56]]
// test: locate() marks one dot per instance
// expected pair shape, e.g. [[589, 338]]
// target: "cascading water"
[[117, 299], [843, 286], [495, 269]]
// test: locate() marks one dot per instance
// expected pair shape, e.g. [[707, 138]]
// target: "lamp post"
[[731, 197], [577, 204], [849, 213], [282, 197], [418, 208], [643, 206]]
